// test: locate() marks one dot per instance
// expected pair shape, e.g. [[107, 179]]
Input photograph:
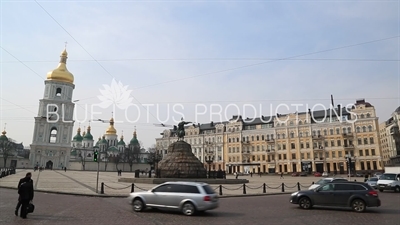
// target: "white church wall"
[[92, 166]]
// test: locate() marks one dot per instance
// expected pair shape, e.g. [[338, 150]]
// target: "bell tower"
[[51, 144]]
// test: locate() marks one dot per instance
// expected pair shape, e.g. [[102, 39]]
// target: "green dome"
[[78, 137], [3, 137], [88, 136], [134, 140], [121, 142], [98, 142]]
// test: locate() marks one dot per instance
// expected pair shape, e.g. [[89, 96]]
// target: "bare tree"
[[7, 149], [106, 159], [116, 159], [130, 154], [82, 155]]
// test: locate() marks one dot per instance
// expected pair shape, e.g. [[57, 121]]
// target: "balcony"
[[270, 151], [348, 135], [349, 147], [270, 140], [246, 142], [319, 159], [318, 137], [318, 148], [245, 152]]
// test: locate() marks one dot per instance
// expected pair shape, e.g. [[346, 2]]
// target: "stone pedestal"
[[180, 162]]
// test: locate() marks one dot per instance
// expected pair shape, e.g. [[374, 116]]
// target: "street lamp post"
[[209, 159], [95, 151]]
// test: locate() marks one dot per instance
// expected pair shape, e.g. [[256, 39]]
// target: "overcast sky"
[[197, 55]]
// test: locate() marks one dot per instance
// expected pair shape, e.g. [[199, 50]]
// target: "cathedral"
[[53, 145]]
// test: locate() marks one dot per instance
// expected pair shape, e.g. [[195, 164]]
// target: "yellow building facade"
[[300, 142]]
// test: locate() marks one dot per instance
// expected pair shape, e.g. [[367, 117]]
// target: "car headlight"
[[293, 194]]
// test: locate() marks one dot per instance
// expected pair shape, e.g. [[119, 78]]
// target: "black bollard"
[[283, 187], [133, 188], [220, 189], [244, 189], [298, 186], [312, 182], [264, 188], [102, 188]]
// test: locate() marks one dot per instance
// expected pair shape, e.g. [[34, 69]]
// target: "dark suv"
[[356, 195]]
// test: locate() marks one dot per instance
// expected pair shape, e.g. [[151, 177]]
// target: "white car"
[[187, 197], [325, 181], [389, 181]]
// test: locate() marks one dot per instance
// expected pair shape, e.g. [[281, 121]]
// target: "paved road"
[[57, 209]]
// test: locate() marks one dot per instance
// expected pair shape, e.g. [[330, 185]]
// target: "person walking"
[[25, 191], [282, 176]]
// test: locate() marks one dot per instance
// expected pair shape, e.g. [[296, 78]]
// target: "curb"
[[126, 196]]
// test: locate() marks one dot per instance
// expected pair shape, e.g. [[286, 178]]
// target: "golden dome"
[[61, 73], [111, 129]]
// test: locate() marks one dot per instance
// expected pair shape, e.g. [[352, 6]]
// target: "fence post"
[[298, 186], [264, 188], [102, 188], [312, 182], [133, 188], [283, 187], [220, 189], [244, 189]]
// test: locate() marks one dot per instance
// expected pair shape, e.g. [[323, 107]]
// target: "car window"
[[373, 179], [343, 187], [322, 181], [208, 190], [388, 176], [163, 188], [358, 187], [182, 188], [328, 187]]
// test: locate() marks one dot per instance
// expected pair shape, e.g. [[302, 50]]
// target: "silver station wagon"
[[187, 197]]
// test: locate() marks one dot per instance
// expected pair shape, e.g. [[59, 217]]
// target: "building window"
[[293, 155], [368, 115], [331, 131], [307, 134], [284, 146], [371, 140], [325, 132], [358, 129], [284, 156], [369, 128], [365, 141], [283, 136], [262, 137], [252, 138], [300, 123], [301, 134], [258, 138], [53, 135], [292, 145], [333, 154], [373, 152], [337, 131], [366, 152], [362, 116], [349, 130], [360, 152], [359, 141], [314, 133], [301, 145], [332, 143], [364, 129], [292, 135], [344, 130], [58, 92], [307, 145], [339, 143]]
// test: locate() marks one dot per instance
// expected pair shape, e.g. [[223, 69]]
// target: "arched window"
[[258, 138], [331, 131], [364, 129], [344, 130], [267, 136], [278, 136], [337, 131], [262, 137], [300, 123], [229, 140], [292, 134], [325, 132], [301, 134], [369, 128], [368, 115], [362, 116], [307, 134], [358, 129], [314, 133], [349, 130], [283, 136], [319, 133], [291, 123], [252, 138], [53, 135], [58, 92]]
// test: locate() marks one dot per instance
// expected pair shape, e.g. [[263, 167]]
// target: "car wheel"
[[358, 205], [305, 203], [138, 205], [381, 190], [188, 209], [397, 189]]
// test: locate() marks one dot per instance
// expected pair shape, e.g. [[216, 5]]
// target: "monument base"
[[200, 180]]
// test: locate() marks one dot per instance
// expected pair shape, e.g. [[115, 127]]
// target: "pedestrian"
[[25, 191], [260, 173], [120, 172], [251, 174], [282, 176], [65, 169]]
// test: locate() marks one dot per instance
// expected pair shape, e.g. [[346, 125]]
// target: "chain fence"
[[219, 188]]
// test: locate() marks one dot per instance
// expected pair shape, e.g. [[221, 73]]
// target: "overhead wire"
[[89, 54]]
